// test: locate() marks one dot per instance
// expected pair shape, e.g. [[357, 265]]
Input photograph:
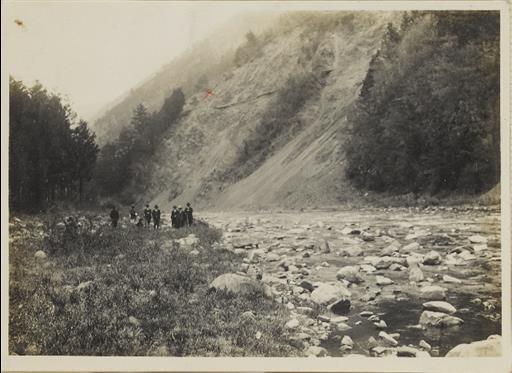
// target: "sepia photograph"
[[254, 179]]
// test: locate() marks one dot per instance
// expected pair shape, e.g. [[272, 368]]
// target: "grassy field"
[[130, 291]]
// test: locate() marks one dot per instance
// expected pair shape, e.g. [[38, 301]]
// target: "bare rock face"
[[491, 347], [439, 319], [238, 284], [327, 293]]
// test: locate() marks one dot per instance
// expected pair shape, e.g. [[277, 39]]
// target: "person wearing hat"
[[147, 215], [174, 217], [156, 217], [189, 219]]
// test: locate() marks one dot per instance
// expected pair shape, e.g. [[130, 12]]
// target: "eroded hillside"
[[302, 166]]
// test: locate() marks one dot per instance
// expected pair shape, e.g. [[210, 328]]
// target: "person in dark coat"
[[147, 215], [133, 215], [181, 217], [156, 217], [174, 217], [114, 217], [189, 219]]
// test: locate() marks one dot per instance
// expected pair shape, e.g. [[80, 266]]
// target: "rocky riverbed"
[[377, 282]]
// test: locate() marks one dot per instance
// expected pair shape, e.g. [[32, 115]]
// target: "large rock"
[[432, 258], [238, 284], [433, 292], [327, 293], [349, 273], [439, 319], [477, 239], [340, 307], [316, 351], [383, 281], [491, 347], [439, 306], [415, 273], [388, 339]]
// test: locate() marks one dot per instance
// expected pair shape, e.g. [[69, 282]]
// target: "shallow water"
[[398, 304]]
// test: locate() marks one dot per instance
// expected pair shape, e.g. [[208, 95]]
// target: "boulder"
[[433, 292], [383, 281], [349, 273], [439, 306], [432, 258], [425, 345], [388, 339], [491, 347], [408, 351], [316, 351], [238, 284], [351, 251], [340, 307], [439, 319], [327, 293], [368, 268], [307, 285]]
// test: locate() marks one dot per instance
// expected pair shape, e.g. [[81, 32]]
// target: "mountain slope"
[[304, 165]]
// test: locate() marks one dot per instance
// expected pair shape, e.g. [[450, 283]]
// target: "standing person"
[[147, 215], [181, 217], [156, 217], [133, 215], [174, 217], [114, 217], [189, 214]]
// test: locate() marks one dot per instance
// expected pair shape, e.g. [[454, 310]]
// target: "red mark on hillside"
[[209, 93]]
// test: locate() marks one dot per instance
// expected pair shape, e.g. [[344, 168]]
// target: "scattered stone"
[[477, 239], [327, 293], [134, 321], [372, 343], [290, 306], [292, 324], [341, 306], [349, 273], [324, 318], [452, 280], [304, 310], [383, 281], [84, 285], [368, 268], [425, 345], [388, 338], [439, 306], [342, 327], [407, 351], [491, 347], [366, 313], [396, 267], [316, 351], [326, 249], [480, 247], [381, 324], [432, 258], [466, 255], [439, 319], [258, 335], [433, 292], [338, 319], [410, 247], [347, 341], [307, 285], [351, 251], [238, 284], [40, 254]]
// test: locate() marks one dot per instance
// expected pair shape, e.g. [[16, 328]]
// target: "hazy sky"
[[94, 52]]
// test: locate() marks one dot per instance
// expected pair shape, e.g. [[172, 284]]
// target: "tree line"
[[427, 117], [51, 153], [122, 169]]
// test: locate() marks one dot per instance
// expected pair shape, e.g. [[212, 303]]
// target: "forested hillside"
[[318, 109]]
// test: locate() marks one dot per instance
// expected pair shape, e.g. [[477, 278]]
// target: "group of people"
[[179, 217]]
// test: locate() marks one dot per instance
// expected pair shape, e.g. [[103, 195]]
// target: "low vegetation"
[[130, 291]]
